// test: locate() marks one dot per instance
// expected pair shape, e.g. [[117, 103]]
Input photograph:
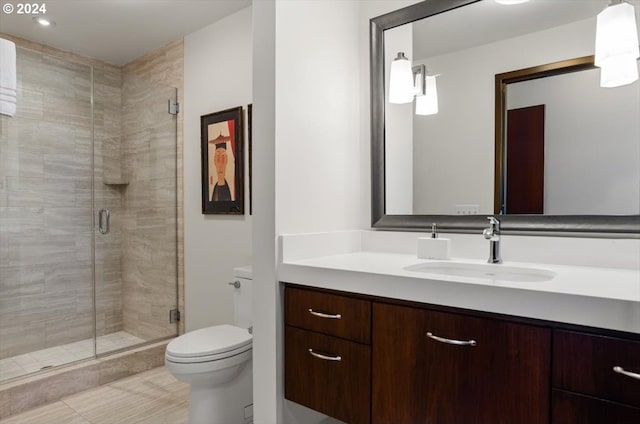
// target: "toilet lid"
[[209, 341]]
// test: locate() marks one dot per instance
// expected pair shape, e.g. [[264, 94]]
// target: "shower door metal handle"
[[103, 221]]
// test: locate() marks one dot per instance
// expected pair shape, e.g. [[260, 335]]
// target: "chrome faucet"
[[493, 235]]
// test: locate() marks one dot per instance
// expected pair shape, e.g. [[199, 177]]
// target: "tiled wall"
[[149, 221], [164, 67]]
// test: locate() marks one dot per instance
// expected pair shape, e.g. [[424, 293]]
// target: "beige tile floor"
[[17, 366], [152, 397]]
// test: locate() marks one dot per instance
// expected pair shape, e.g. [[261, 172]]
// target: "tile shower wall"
[[46, 291], [149, 265], [162, 67]]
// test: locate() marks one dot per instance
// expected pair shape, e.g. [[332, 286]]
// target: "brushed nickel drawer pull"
[[451, 341], [321, 315], [622, 371], [325, 357]]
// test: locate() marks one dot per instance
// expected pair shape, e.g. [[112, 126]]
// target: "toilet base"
[[229, 403]]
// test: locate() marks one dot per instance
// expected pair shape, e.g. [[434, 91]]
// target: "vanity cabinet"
[[596, 379], [328, 354], [440, 367], [371, 360]]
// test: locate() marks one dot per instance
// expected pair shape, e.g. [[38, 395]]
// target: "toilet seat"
[[209, 344]]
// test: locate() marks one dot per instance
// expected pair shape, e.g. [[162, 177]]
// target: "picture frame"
[[222, 153]]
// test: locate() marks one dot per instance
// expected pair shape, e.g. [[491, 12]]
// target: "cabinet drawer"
[[421, 375], [570, 408], [329, 314], [584, 363], [338, 388]]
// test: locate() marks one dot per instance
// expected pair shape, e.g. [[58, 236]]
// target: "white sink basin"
[[493, 272]]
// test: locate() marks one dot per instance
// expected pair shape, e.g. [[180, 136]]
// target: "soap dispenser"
[[434, 247]]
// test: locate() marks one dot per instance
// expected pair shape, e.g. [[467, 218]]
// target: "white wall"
[[455, 148], [267, 350], [217, 76], [317, 109], [591, 142]]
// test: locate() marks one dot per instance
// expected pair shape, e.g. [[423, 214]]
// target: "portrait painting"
[[222, 165]]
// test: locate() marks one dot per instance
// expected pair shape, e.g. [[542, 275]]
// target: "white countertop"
[[599, 297], [606, 283]]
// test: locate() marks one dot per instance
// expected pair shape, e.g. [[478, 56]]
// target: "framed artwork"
[[250, 123], [222, 164]]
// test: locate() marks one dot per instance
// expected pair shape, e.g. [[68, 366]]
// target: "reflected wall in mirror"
[[565, 145], [442, 168]]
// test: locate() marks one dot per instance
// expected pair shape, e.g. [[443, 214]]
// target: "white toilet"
[[217, 363]]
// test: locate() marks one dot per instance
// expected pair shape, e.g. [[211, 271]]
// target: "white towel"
[[8, 83], [7, 92], [8, 97], [7, 108], [7, 64]]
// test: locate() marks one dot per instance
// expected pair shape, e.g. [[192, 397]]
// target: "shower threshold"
[[28, 363]]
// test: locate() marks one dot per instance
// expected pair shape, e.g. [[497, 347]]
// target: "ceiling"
[[117, 31]]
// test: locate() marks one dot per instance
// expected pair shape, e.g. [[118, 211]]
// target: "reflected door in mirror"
[[525, 161]]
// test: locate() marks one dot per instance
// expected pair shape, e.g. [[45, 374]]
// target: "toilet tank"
[[242, 296]]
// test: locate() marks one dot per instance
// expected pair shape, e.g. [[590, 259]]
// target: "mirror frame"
[[573, 225]]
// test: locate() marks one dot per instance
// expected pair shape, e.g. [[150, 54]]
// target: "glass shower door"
[[46, 237], [136, 201], [85, 140]]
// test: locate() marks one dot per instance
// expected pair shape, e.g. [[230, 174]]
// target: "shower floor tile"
[[27, 363]]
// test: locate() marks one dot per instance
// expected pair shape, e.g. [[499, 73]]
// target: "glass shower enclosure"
[[88, 214]]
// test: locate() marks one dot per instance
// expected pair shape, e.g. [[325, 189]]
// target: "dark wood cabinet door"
[[584, 363], [340, 387], [571, 408], [399, 375], [470, 371], [501, 375]]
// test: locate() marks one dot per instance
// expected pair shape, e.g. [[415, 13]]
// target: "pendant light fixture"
[[617, 45], [400, 80]]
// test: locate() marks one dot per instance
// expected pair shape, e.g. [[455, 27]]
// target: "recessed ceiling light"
[[508, 2], [43, 21]]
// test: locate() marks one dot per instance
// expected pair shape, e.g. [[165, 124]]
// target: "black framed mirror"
[[433, 15]]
